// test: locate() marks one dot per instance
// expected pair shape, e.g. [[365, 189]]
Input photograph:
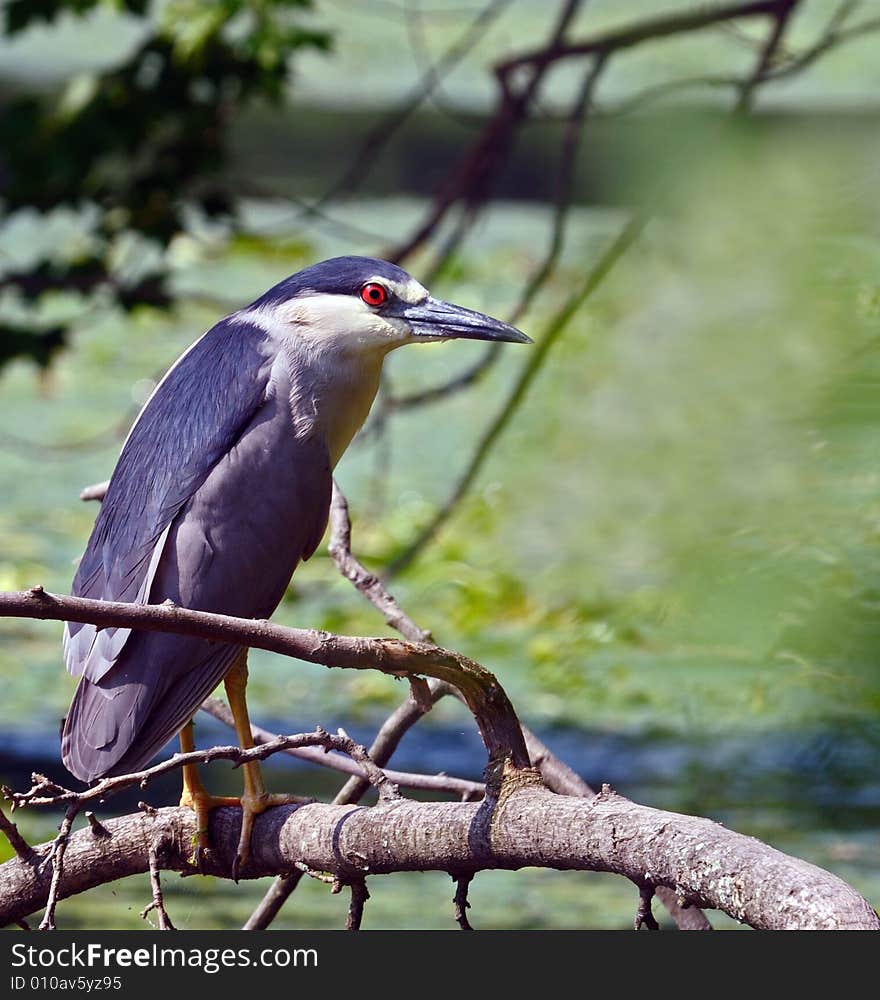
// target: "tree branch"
[[46, 793], [486, 699], [537, 356], [768, 53], [527, 825], [645, 30]]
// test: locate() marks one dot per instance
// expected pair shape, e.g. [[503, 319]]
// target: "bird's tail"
[[117, 725]]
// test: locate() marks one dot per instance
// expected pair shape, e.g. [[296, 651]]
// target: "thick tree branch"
[[702, 862], [557, 775]]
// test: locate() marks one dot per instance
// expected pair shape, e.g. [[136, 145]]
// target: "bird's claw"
[[251, 807]]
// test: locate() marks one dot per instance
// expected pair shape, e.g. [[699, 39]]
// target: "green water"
[[675, 539]]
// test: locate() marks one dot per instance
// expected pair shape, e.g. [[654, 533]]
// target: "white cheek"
[[338, 322], [383, 329]]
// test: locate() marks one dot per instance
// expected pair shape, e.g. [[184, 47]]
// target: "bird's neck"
[[331, 392]]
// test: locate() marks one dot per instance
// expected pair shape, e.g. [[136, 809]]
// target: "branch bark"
[[702, 862]]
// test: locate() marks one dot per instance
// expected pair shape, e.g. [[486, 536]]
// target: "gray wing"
[[195, 415], [231, 546]]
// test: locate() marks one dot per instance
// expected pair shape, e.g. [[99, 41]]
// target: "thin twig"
[[158, 901], [564, 180], [43, 793], [437, 393], [318, 876], [644, 915], [470, 183], [537, 356], [359, 896], [645, 30], [442, 783], [829, 40], [99, 831], [9, 830], [767, 55], [360, 577], [379, 135], [655, 91], [56, 859], [460, 899]]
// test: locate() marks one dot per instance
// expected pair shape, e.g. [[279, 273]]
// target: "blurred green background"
[[671, 558]]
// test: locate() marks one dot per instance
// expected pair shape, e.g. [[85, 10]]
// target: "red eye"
[[374, 294]]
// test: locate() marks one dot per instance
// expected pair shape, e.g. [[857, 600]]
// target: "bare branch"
[[833, 37], [359, 896], [435, 394], [644, 916], [470, 183], [706, 864], [537, 356], [485, 697], [768, 53], [10, 831], [442, 783], [645, 30], [158, 901], [44, 793], [378, 136], [357, 574], [55, 859], [460, 899]]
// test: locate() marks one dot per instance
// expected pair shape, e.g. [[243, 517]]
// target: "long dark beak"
[[436, 320]]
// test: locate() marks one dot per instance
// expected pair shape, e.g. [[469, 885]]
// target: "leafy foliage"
[[134, 152]]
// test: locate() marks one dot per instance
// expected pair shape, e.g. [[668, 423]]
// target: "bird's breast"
[[331, 396], [345, 410]]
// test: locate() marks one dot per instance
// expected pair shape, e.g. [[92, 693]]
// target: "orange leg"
[[255, 799], [195, 796]]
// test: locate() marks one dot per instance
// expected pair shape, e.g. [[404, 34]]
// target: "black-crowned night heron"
[[222, 486]]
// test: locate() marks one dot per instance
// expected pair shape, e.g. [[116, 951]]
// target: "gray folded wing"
[[213, 502]]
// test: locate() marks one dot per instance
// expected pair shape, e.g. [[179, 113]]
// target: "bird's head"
[[365, 303]]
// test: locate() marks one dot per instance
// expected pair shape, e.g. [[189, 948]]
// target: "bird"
[[221, 489]]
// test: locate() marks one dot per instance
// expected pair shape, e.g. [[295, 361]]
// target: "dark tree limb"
[[704, 863], [767, 55], [483, 694], [645, 30], [470, 182], [537, 355]]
